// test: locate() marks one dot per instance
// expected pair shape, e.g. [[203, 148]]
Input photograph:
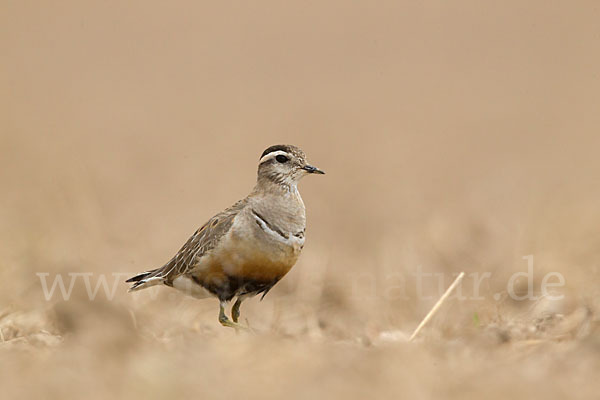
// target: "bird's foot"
[[225, 321], [231, 324]]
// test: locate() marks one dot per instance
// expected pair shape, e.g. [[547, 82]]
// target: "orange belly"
[[243, 266]]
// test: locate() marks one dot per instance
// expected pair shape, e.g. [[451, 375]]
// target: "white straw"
[[437, 306]]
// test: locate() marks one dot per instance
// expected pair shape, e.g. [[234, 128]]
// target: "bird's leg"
[[235, 310], [226, 321]]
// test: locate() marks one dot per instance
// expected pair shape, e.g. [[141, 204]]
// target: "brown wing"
[[202, 241]]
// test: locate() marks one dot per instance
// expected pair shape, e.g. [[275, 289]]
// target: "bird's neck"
[[282, 187], [280, 203]]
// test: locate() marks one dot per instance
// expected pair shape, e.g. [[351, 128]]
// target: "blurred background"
[[456, 136]]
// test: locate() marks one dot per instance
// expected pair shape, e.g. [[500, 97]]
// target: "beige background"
[[456, 136]]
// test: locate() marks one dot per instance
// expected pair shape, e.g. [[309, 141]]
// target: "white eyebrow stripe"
[[275, 154]]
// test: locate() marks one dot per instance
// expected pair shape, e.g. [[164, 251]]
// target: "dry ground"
[[456, 136]]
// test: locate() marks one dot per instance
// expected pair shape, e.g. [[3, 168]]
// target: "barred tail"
[[144, 280]]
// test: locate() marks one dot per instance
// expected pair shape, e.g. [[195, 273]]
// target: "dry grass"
[[455, 138]]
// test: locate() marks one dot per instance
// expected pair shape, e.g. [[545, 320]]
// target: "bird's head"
[[285, 165]]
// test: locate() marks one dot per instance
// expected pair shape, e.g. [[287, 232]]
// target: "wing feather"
[[201, 242]]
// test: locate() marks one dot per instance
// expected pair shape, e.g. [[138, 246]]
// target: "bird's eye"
[[281, 159]]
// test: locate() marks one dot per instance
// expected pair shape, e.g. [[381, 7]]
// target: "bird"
[[246, 249]]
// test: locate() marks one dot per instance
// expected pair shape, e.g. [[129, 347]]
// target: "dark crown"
[[284, 147]]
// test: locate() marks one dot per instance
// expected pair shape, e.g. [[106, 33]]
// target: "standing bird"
[[246, 249]]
